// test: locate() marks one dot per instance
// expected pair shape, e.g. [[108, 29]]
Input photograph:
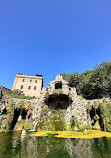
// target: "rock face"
[[59, 96], [3, 103], [57, 108]]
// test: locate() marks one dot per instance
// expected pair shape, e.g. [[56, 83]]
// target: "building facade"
[[30, 85]]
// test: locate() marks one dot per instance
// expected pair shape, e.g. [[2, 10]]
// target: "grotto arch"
[[58, 85], [58, 102], [17, 112], [96, 118]]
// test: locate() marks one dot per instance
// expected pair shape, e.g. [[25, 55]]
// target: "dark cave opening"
[[15, 118], [29, 116], [93, 115], [58, 85], [4, 111], [24, 113], [58, 102], [17, 113]]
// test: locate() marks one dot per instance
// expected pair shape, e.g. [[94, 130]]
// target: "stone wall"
[[39, 110], [77, 107]]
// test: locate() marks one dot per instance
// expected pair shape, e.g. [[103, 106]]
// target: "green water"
[[12, 145]]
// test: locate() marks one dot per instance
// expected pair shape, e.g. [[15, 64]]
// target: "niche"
[[58, 85]]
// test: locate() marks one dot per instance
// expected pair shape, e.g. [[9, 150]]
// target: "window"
[[29, 87], [34, 87], [21, 87], [30, 80], [35, 81], [23, 80]]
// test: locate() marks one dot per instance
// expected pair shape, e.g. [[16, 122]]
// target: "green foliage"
[[92, 84], [45, 110], [6, 119], [105, 112], [53, 122], [57, 121], [19, 94], [65, 76], [28, 125], [74, 124], [104, 109], [10, 114], [20, 74]]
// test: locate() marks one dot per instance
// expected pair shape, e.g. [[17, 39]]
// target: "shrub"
[[19, 94]]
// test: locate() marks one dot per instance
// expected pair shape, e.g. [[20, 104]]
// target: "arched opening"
[[17, 112], [74, 123], [15, 118], [95, 116], [58, 85], [24, 113], [58, 102]]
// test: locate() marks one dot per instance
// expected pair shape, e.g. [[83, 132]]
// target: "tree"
[[17, 92], [92, 84]]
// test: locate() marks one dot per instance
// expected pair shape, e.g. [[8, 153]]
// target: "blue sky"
[[49, 37]]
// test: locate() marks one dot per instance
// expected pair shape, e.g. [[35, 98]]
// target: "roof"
[[32, 77], [5, 88]]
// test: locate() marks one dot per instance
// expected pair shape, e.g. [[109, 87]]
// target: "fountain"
[[85, 131], [23, 132], [34, 128], [20, 117], [76, 124]]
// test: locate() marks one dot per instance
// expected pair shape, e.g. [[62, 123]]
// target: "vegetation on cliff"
[[51, 119], [19, 94], [7, 117], [16, 115], [92, 84], [100, 114]]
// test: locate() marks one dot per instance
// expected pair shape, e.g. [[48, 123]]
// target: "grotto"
[[57, 108]]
